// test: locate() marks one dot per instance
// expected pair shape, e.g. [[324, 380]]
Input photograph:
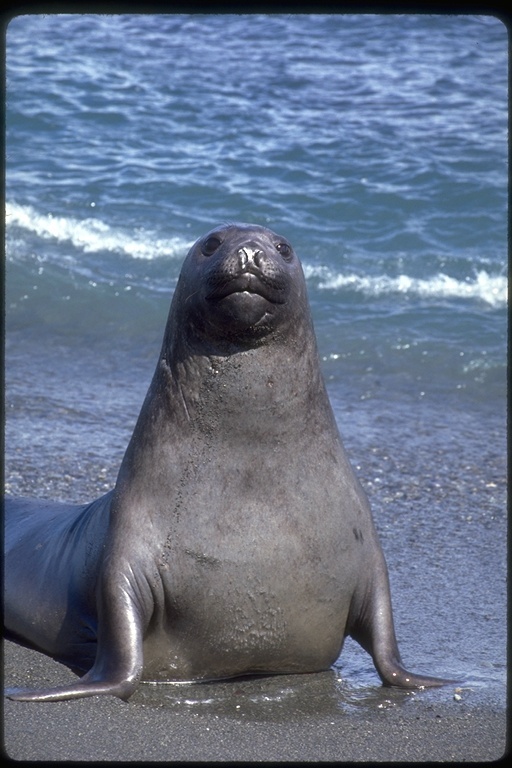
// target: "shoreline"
[[389, 728]]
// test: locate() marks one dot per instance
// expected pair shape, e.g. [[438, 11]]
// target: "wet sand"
[[246, 721]]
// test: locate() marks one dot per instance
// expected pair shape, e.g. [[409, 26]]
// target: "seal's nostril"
[[248, 255]]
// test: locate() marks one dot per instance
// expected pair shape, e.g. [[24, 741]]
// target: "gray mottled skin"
[[237, 539]]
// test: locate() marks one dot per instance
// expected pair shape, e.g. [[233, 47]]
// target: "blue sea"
[[377, 144]]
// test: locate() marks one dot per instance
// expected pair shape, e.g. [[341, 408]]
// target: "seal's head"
[[239, 283]]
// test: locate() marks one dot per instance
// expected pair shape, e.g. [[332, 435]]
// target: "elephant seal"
[[237, 539]]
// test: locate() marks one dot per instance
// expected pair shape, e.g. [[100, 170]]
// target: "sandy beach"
[[247, 721]]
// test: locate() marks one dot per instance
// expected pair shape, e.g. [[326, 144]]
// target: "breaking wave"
[[93, 235], [482, 286]]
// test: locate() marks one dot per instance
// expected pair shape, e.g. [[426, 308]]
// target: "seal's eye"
[[210, 246], [285, 251]]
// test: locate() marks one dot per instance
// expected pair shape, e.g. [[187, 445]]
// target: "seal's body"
[[237, 539]]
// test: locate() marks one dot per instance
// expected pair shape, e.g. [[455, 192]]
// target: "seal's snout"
[[248, 266], [249, 256]]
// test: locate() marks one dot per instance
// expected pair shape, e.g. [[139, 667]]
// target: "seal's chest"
[[249, 618], [262, 582]]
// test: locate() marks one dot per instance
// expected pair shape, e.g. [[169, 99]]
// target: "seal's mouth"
[[248, 283]]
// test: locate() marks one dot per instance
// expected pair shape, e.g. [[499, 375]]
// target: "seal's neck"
[[267, 400], [255, 389]]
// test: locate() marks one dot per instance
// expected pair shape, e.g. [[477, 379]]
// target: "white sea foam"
[[92, 234], [482, 286]]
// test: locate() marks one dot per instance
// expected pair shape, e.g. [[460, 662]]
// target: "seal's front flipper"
[[118, 664], [371, 625], [78, 690], [393, 673], [111, 675]]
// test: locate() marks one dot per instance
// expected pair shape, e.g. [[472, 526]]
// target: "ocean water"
[[378, 145]]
